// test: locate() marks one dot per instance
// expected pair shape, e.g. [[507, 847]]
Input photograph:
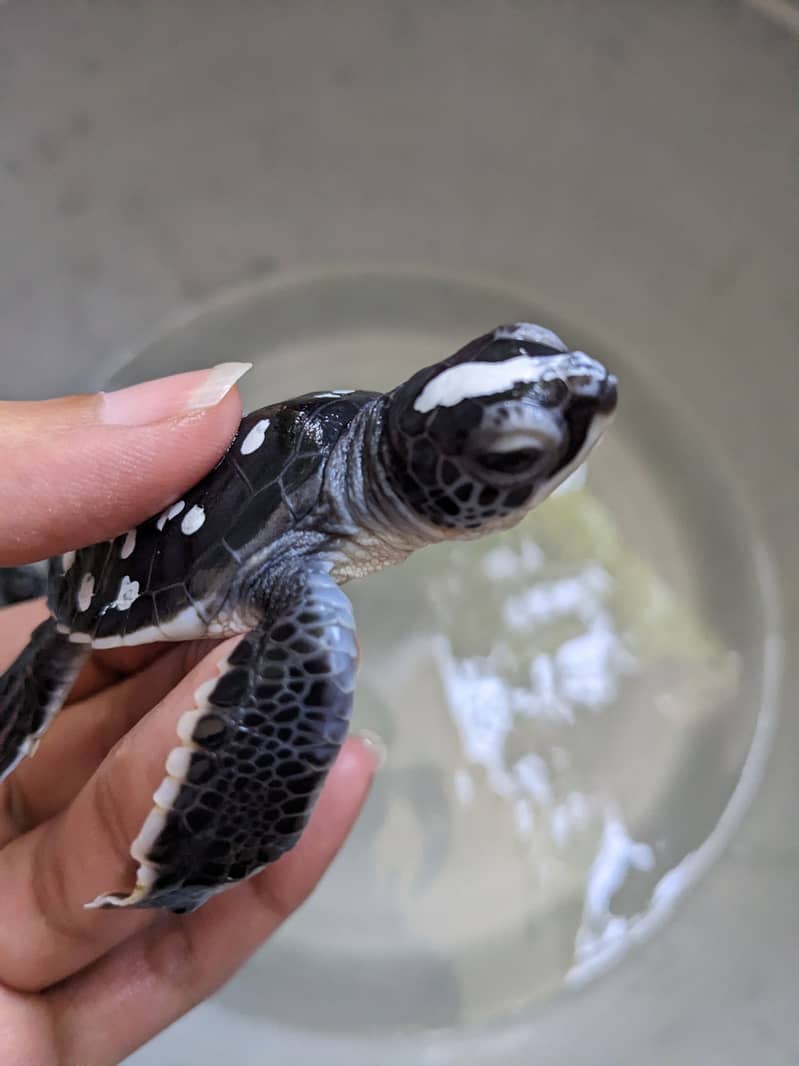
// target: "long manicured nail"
[[154, 401], [374, 744]]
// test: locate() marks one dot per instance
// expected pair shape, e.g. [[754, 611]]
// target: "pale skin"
[[84, 986]]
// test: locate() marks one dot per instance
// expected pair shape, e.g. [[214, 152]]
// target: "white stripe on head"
[[469, 380], [529, 331]]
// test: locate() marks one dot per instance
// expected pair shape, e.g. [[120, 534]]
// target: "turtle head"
[[478, 439]]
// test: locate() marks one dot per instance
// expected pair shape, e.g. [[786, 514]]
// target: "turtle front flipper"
[[256, 750], [33, 689]]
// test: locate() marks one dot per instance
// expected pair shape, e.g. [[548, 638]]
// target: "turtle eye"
[[519, 461], [551, 391]]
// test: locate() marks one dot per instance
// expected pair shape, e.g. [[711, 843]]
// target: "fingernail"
[[154, 401], [374, 744], [218, 382]]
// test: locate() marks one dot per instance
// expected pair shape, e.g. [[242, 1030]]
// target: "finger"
[[82, 469], [26, 1030], [104, 669], [101, 670], [76, 744], [158, 975], [49, 874], [16, 625]]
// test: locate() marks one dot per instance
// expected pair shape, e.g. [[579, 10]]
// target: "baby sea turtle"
[[312, 492]]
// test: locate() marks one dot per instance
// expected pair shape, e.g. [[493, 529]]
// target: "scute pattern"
[[447, 495], [269, 732], [249, 501], [414, 455]]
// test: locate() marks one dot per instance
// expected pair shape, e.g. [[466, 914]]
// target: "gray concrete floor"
[[635, 162]]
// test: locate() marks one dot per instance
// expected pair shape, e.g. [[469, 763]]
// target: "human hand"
[[85, 986]]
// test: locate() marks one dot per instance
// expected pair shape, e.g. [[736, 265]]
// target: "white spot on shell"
[[529, 331], [127, 595], [468, 380], [333, 394], [67, 559], [255, 438], [86, 592], [193, 520], [129, 544], [170, 513]]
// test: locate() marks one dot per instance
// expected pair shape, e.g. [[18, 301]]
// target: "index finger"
[[103, 668], [81, 469], [50, 873]]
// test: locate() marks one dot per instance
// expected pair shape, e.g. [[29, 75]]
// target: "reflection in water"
[[581, 674], [554, 664], [616, 856]]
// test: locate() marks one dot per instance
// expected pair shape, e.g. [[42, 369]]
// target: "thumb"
[[81, 469]]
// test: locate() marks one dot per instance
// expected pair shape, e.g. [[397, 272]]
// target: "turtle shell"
[[173, 577]]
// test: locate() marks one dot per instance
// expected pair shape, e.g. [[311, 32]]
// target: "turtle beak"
[[608, 395]]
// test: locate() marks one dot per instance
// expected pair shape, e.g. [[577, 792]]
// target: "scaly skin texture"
[[255, 753], [312, 492]]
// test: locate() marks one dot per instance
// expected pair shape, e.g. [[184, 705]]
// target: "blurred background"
[[342, 192]]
